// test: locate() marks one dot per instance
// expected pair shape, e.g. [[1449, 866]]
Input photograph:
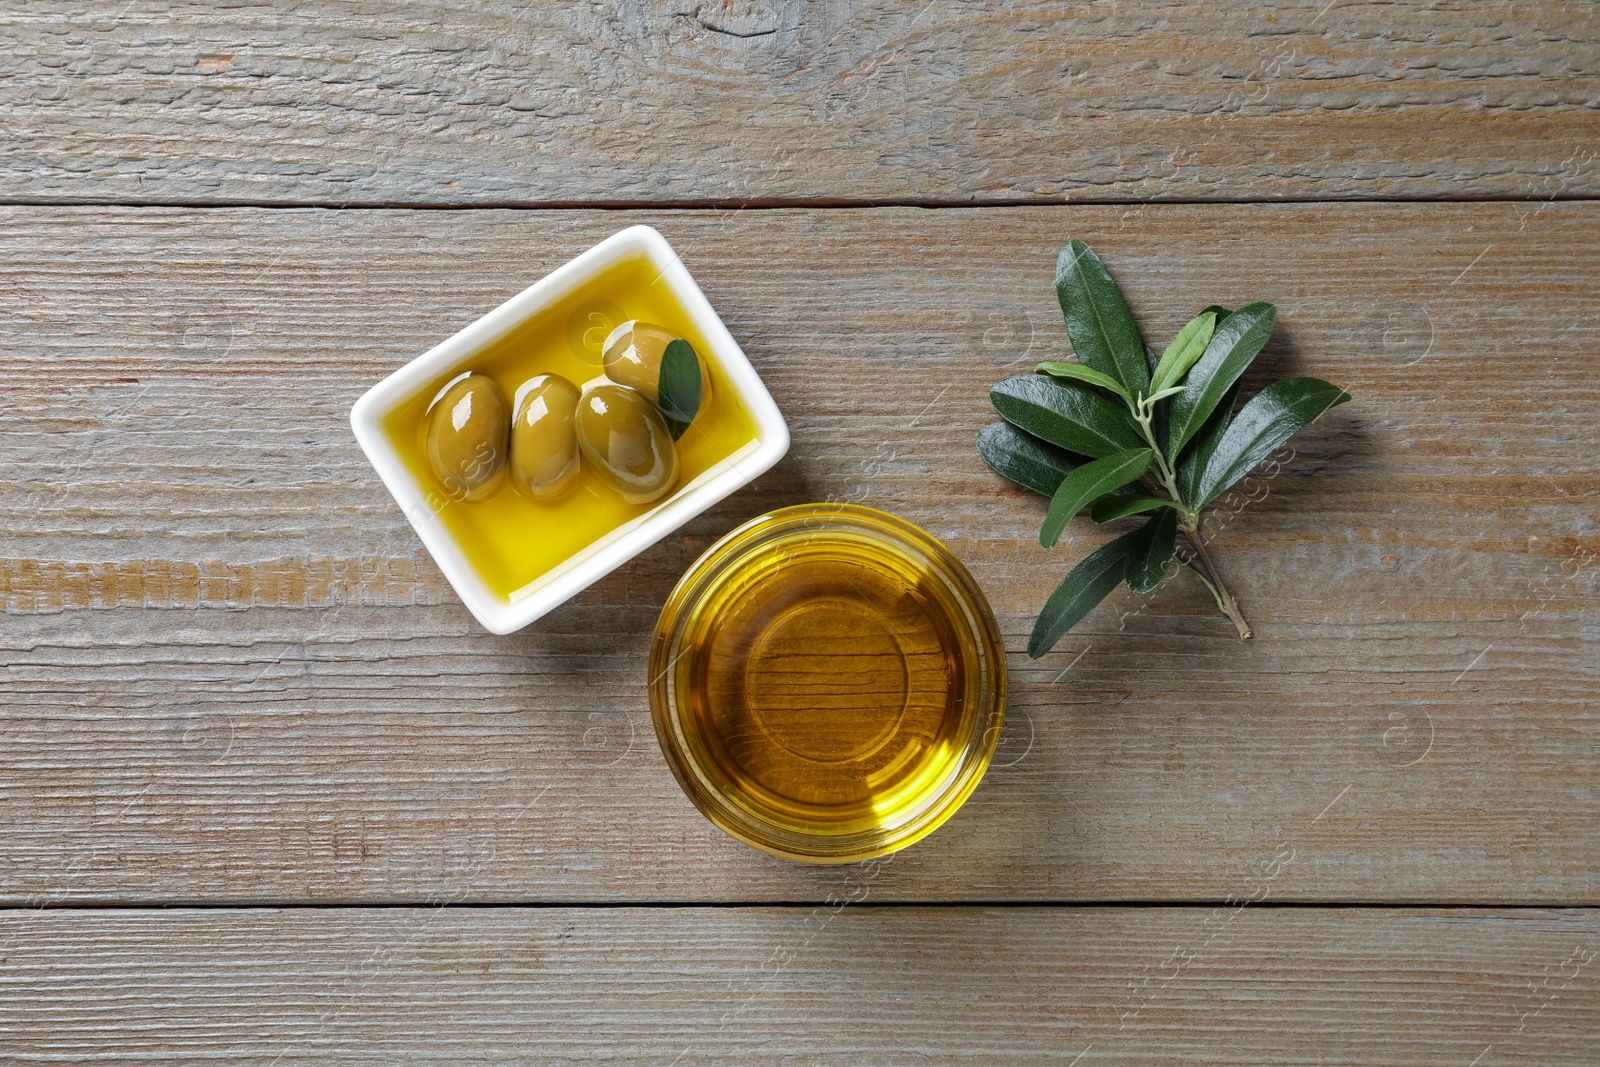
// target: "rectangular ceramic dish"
[[563, 304]]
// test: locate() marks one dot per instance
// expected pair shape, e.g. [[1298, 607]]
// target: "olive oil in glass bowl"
[[828, 683]]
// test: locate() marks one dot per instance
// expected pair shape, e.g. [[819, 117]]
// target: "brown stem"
[[1225, 600]]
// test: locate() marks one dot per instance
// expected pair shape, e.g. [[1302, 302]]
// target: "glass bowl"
[[827, 683]]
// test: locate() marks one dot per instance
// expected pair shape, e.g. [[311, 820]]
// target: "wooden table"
[[271, 797]]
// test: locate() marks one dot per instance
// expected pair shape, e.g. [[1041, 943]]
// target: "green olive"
[[544, 445], [632, 357], [467, 429], [623, 437]]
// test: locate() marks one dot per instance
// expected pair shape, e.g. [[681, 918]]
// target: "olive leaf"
[[1084, 586], [1066, 414], [1125, 502], [1159, 419], [1185, 349], [1272, 416], [1160, 436], [1022, 457], [1235, 343], [1098, 320], [679, 387], [1152, 552], [1192, 464], [1085, 374], [1088, 482]]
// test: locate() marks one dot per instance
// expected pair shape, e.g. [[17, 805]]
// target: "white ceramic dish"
[[503, 614]]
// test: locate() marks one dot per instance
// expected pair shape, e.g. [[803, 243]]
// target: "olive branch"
[[1123, 433]]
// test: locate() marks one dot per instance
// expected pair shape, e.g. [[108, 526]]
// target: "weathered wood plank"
[[525, 103], [803, 986], [228, 672]]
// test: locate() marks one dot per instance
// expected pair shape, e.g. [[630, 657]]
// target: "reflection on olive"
[[467, 438], [544, 444], [626, 443], [632, 357]]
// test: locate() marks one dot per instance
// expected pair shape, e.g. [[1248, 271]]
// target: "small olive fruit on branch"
[[1122, 433]]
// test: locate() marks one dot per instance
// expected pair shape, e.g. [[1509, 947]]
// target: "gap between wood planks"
[[739, 905], [777, 204]]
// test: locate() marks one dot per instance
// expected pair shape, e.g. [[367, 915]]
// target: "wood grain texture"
[[828, 985], [227, 671], [739, 101]]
